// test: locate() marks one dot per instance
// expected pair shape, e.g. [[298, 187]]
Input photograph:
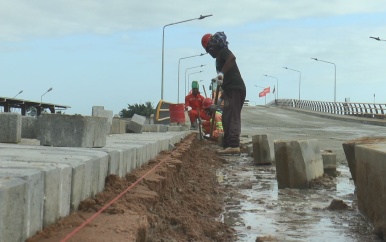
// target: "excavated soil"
[[179, 199]]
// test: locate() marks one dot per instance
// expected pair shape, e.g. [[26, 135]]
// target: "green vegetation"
[[140, 109]]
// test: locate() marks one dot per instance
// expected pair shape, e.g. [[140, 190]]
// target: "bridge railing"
[[368, 110]]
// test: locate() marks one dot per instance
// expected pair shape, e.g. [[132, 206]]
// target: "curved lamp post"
[[377, 38], [178, 82], [163, 37], [335, 75], [300, 77], [192, 74], [18, 93], [41, 98], [185, 74], [277, 85]]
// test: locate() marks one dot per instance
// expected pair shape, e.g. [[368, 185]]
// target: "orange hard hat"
[[205, 39], [207, 103]]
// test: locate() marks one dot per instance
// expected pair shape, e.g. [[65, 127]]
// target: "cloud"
[[25, 19]]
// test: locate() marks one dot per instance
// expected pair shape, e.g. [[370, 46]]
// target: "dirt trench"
[[179, 200]]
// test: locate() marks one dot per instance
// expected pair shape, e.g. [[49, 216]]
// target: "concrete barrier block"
[[371, 184], [99, 111], [57, 187], [297, 163], [136, 124], [27, 197], [10, 127], [154, 128], [263, 149], [118, 126], [13, 208], [61, 130], [174, 128], [96, 109], [29, 127], [349, 151], [329, 161]]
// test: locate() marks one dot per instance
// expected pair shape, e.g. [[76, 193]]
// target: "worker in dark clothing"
[[234, 90]]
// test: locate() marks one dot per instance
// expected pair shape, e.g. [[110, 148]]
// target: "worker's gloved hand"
[[215, 107], [188, 108]]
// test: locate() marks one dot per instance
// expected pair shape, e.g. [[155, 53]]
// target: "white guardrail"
[[368, 110]]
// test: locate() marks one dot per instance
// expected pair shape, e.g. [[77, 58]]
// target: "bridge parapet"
[[367, 110]]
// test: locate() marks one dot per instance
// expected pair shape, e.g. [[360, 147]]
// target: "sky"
[[109, 53]]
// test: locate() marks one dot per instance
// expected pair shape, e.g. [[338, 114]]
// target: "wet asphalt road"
[[257, 208]]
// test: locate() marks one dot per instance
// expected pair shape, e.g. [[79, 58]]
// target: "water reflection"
[[290, 214]]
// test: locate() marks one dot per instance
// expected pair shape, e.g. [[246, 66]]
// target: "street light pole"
[[193, 73], [185, 74], [163, 38], [41, 98], [300, 77], [277, 85], [335, 75], [377, 38], [18, 93], [178, 84]]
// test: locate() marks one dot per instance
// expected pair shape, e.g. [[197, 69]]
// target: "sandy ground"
[[180, 199]]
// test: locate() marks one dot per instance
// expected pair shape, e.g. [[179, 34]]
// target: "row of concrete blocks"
[[297, 162], [40, 184], [72, 130]]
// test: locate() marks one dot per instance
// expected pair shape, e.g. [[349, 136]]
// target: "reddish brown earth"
[[180, 200]]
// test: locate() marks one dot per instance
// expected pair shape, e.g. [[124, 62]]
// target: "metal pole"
[[335, 75], [191, 74], [377, 38], [300, 77], [178, 82], [41, 98], [163, 38], [186, 93], [18, 94], [277, 85]]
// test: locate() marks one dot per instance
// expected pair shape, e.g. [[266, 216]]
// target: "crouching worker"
[[209, 109], [193, 104]]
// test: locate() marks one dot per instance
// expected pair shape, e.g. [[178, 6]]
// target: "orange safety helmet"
[[207, 103], [205, 39]]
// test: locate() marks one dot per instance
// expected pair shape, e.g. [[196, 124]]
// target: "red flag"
[[262, 94], [267, 90]]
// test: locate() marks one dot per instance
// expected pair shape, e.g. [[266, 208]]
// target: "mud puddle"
[[256, 208]]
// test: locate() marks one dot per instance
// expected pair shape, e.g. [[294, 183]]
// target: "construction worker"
[[193, 104], [209, 109], [234, 90]]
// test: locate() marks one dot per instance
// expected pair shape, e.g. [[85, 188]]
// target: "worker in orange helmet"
[[193, 104], [209, 109], [233, 87]]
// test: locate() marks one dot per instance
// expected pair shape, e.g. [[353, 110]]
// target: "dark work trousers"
[[231, 117]]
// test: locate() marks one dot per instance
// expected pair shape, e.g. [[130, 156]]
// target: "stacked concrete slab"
[[72, 130], [118, 126], [136, 123], [99, 111], [297, 163], [263, 149], [371, 184], [329, 161], [349, 151], [29, 127], [10, 127], [367, 162], [40, 184]]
